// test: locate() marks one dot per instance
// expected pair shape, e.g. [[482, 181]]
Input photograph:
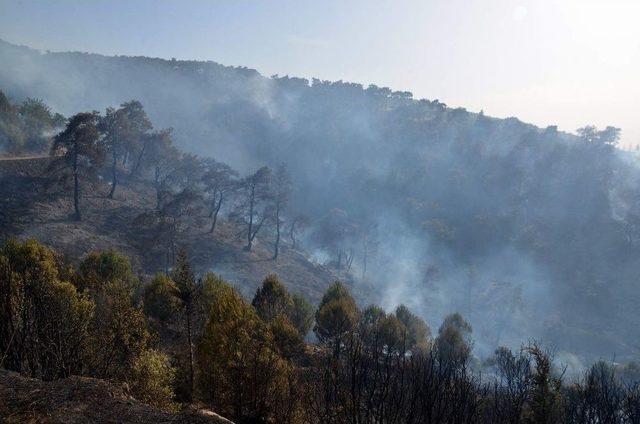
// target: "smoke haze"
[[528, 232]]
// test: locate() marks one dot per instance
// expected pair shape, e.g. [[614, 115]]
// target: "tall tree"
[[137, 125], [44, 321], [336, 316], [281, 192], [162, 158], [125, 134], [119, 329], [77, 152], [185, 282], [161, 228], [219, 183], [38, 120], [338, 233], [242, 374], [173, 217], [113, 127], [177, 206], [418, 332], [453, 343], [297, 225], [272, 299], [257, 192], [301, 315], [161, 298]]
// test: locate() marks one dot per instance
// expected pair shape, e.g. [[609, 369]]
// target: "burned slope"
[[29, 209], [82, 400], [465, 205]]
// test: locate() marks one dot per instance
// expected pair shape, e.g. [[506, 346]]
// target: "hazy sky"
[[564, 62]]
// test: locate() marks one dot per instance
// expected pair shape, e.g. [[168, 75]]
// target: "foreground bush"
[[251, 364], [152, 379], [241, 373], [44, 322]]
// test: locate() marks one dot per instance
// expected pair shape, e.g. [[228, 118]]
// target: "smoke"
[[490, 218], [504, 294]]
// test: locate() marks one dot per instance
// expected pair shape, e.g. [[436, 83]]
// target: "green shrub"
[[152, 379]]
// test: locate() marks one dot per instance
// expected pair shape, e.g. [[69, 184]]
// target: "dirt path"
[[17, 158]]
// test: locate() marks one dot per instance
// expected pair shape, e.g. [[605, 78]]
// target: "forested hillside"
[[528, 232], [111, 181]]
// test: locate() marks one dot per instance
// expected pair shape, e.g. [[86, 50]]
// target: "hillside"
[[82, 400], [28, 212], [467, 211]]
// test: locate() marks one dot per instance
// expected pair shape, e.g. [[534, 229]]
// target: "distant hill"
[[528, 232]]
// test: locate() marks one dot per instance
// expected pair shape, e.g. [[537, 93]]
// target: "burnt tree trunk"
[[114, 176], [214, 213], [76, 185], [250, 231], [139, 159], [190, 345], [277, 245]]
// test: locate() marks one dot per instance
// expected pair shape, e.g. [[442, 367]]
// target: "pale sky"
[[563, 62]]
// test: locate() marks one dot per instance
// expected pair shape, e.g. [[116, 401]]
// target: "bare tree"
[[163, 159], [161, 229], [298, 223], [112, 125], [513, 386], [220, 181], [337, 233], [256, 206], [186, 284], [281, 192]]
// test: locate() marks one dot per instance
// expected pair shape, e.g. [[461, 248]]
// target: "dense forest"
[[181, 338], [527, 233], [438, 207], [449, 210]]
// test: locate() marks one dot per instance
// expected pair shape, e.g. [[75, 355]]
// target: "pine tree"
[[336, 316], [272, 299], [185, 282], [77, 152]]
